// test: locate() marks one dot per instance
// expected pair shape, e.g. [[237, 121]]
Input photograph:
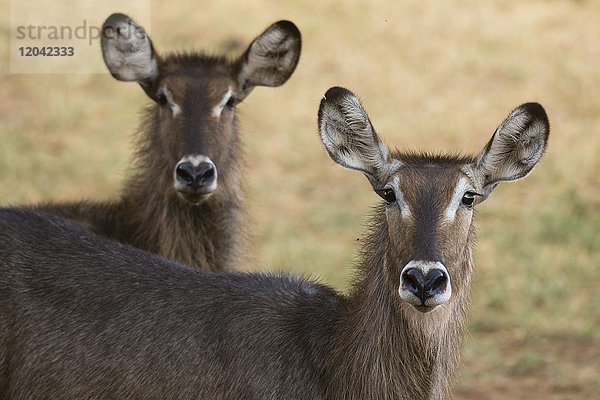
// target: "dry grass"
[[438, 76]]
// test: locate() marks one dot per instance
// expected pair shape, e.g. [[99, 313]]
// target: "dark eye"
[[468, 199], [387, 194], [231, 102], [162, 99]]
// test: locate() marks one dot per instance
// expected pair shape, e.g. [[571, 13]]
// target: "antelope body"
[[183, 198], [82, 317]]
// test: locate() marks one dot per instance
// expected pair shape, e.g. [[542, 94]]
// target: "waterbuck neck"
[[157, 219], [391, 351]]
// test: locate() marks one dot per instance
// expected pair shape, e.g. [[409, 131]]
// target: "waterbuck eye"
[[387, 194], [162, 99], [230, 102], [468, 199]]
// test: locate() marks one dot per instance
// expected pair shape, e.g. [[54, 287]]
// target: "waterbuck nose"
[[196, 176], [425, 287]]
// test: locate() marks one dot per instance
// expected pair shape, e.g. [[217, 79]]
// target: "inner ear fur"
[[270, 59], [349, 137], [515, 148], [128, 52]]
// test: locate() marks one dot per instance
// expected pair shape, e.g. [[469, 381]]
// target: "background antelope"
[[84, 317], [183, 198]]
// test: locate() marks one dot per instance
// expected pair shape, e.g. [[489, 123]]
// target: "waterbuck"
[[82, 317], [182, 199]]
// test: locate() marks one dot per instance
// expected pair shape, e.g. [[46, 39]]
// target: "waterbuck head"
[[426, 227], [193, 120]]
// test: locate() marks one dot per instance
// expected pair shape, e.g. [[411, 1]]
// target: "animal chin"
[[423, 308], [195, 199]]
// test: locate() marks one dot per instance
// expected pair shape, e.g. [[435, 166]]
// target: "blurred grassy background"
[[433, 75]]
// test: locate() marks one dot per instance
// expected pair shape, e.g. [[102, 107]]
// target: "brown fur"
[[393, 351], [150, 328], [150, 213]]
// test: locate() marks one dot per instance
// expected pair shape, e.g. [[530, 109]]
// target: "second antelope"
[[183, 198], [84, 317]]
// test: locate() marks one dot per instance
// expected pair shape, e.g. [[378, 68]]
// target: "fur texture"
[[194, 117], [82, 317]]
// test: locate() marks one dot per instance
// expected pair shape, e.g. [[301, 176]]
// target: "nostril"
[[185, 173], [205, 173], [414, 281], [435, 282]]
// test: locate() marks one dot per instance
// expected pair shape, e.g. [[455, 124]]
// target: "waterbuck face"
[[429, 199], [196, 96], [195, 115]]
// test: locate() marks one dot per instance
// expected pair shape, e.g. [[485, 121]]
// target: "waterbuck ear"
[[349, 137], [128, 52], [270, 59], [514, 149]]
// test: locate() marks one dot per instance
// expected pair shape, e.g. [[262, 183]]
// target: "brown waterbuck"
[[82, 317], [182, 199]]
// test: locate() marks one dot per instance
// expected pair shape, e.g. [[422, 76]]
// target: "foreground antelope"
[[182, 199], [83, 317]]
